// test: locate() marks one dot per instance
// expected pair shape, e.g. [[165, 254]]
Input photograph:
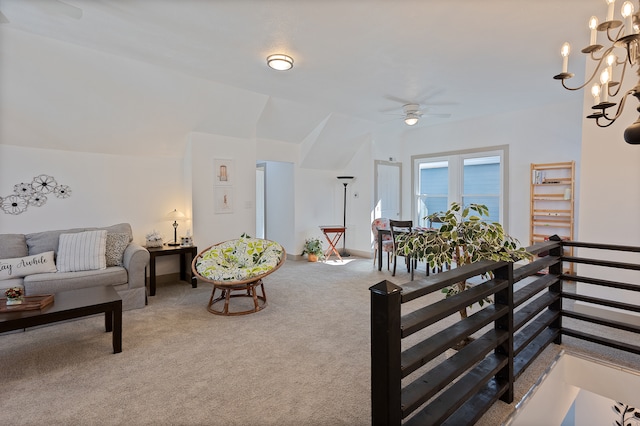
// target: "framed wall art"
[[223, 199], [224, 172]]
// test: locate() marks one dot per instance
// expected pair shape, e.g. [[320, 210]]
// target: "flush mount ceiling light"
[[280, 62]]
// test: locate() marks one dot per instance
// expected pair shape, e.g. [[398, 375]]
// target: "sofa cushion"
[[39, 242], [120, 228], [61, 281], [116, 245], [23, 266], [13, 245], [6, 284], [82, 251]]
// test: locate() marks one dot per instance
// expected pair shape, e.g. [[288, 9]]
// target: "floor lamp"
[[346, 180]]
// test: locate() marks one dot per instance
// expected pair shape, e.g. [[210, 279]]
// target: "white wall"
[[151, 186], [610, 202], [208, 227], [541, 135], [106, 189]]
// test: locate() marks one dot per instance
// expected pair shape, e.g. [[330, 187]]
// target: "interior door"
[[388, 194]]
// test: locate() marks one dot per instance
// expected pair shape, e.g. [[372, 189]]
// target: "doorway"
[[275, 203], [388, 190], [261, 211]]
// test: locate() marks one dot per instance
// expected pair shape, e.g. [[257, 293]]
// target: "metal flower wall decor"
[[33, 194]]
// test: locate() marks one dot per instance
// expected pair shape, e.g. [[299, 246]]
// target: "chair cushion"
[[239, 260]]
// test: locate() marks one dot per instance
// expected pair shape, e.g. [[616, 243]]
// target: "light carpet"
[[303, 360]]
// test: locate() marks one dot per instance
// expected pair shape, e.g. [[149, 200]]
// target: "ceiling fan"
[[413, 111], [412, 114], [51, 7]]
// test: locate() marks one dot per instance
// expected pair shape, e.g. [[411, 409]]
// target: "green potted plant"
[[463, 238], [313, 249]]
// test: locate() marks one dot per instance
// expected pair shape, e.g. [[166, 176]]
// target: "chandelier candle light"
[[624, 48]]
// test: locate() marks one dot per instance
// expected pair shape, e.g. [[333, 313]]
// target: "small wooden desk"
[[333, 234], [184, 266]]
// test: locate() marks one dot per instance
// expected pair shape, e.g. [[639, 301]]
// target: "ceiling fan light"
[[280, 62], [411, 119]]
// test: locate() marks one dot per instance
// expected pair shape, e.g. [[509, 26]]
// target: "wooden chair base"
[[246, 289]]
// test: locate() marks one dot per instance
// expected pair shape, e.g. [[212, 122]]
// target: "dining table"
[[382, 232]]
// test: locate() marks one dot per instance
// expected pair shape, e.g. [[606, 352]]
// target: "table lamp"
[[175, 215]]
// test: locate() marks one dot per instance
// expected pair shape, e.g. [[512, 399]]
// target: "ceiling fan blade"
[[60, 7], [436, 115], [3, 19], [397, 99]]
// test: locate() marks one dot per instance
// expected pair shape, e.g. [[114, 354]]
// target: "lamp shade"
[[175, 215], [346, 179]]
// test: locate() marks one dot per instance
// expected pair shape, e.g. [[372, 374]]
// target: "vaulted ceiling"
[[134, 76]]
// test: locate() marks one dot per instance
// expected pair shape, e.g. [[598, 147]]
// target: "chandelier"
[[623, 49]]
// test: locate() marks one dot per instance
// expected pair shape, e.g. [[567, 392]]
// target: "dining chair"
[[399, 227], [387, 240]]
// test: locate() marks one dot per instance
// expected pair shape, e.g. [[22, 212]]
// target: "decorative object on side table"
[[186, 241], [313, 249], [14, 295], [154, 239]]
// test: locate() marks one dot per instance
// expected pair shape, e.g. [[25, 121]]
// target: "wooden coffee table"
[[73, 304]]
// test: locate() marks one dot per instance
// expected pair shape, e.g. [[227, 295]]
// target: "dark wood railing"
[[415, 383]]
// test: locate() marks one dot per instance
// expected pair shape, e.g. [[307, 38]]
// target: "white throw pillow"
[[82, 251], [23, 266]]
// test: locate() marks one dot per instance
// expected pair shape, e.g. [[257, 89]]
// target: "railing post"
[[505, 297], [386, 376], [557, 287]]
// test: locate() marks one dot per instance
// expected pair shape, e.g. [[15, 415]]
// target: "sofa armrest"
[[135, 260]]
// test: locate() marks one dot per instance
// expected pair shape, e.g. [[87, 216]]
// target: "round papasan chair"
[[238, 266]]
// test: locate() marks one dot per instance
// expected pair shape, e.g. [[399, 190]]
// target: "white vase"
[[14, 301]]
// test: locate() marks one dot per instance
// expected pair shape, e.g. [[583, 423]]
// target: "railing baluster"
[[385, 354], [505, 297]]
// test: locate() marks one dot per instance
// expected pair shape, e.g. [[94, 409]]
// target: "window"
[[466, 177]]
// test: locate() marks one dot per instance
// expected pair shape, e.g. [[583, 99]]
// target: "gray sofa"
[[128, 280]]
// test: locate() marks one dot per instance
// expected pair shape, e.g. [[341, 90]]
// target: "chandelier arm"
[[624, 69], [595, 71], [604, 54], [619, 110], [604, 125], [617, 35]]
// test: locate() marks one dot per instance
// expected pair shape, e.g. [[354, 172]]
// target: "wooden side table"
[[333, 235], [184, 266]]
